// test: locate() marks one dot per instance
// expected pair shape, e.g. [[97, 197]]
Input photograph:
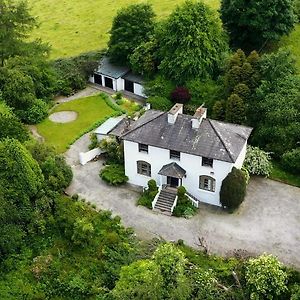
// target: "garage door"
[[108, 82], [98, 79], [129, 86]]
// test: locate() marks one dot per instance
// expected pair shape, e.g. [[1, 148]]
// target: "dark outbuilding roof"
[[133, 77], [213, 139], [106, 68], [172, 170]]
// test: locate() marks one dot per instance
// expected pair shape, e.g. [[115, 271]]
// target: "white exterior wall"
[[119, 84], [159, 157], [92, 79], [138, 89], [240, 160]]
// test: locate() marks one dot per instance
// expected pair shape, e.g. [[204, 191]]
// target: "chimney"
[[199, 115], [173, 113]]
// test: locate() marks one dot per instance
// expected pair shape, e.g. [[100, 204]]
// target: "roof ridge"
[[130, 131], [217, 133]]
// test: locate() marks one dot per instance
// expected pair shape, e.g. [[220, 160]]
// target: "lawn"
[[90, 110], [76, 26], [279, 174]]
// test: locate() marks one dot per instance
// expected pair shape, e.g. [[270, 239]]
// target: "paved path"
[[268, 220]]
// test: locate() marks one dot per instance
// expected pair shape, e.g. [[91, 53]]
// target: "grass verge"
[[281, 175]]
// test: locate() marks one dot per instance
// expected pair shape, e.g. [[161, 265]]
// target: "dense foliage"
[[291, 161], [184, 207], [180, 95], [114, 174], [252, 24], [265, 278], [131, 26], [233, 189], [257, 161], [160, 103], [149, 194], [186, 54]]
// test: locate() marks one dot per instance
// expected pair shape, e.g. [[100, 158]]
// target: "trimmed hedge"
[[291, 161]]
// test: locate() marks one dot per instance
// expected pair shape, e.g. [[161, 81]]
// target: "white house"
[[177, 149], [117, 78]]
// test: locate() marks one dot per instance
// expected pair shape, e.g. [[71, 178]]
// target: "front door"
[[172, 181], [108, 82]]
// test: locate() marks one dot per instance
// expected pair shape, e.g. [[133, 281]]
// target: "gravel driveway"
[[268, 220]]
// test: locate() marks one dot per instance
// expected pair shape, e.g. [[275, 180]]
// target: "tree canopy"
[[251, 24], [15, 24], [131, 26], [192, 43]]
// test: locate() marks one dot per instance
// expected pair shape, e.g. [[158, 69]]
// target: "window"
[[143, 148], [174, 154], [143, 168], [207, 183], [207, 162]]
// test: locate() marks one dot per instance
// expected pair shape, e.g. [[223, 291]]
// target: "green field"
[[76, 26], [90, 110]]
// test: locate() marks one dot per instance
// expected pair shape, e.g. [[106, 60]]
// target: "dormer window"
[[207, 162], [174, 155], [143, 148]]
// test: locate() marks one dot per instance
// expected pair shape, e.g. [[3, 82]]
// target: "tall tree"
[[251, 24], [131, 26], [192, 43], [15, 25]]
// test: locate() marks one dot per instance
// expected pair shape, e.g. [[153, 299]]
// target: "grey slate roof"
[[172, 170], [106, 68], [213, 139], [133, 77]]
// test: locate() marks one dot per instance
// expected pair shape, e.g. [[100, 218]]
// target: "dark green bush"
[[181, 192], [37, 112], [145, 200], [119, 96], [114, 174], [152, 186], [233, 189], [11, 126], [184, 209], [73, 73], [291, 161], [160, 103]]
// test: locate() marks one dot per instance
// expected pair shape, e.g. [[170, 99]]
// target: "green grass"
[[279, 174], [76, 26], [90, 110], [293, 42]]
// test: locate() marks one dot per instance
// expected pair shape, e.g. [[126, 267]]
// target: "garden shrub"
[[118, 96], [184, 207], [113, 150], [160, 103], [265, 278], [36, 113], [148, 195], [94, 141], [73, 73], [291, 161], [233, 189], [180, 95], [257, 161], [114, 174]]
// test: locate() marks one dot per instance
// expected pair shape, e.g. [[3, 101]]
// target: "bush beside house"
[[184, 207], [114, 174], [149, 194], [233, 189]]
